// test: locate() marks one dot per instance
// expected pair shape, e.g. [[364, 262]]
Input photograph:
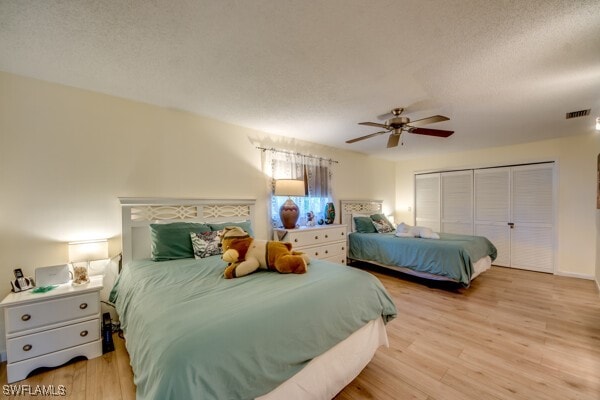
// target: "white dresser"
[[326, 242], [49, 329]]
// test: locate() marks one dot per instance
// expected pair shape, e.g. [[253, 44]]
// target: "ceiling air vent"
[[577, 114]]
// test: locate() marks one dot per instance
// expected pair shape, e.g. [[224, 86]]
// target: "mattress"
[[193, 334]]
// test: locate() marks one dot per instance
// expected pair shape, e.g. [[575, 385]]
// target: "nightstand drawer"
[[325, 251], [301, 238], [34, 315], [37, 344]]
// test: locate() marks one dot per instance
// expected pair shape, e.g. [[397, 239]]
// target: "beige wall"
[[576, 208], [66, 155]]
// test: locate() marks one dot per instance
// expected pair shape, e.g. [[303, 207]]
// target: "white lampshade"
[[88, 250], [289, 187]]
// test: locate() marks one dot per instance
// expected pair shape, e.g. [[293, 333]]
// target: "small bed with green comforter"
[[193, 334], [451, 257]]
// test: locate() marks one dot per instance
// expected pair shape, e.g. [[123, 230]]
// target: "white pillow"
[[403, 228], [405, 234], [425, 233]]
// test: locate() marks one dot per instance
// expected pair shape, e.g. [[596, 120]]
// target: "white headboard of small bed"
[[138, 213], [366, 207]]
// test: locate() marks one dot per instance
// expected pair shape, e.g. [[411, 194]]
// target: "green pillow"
[[364, 225], [173, 241], [245, 225], [382, 218]]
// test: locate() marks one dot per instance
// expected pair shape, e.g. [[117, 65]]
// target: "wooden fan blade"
[[366, 137], [430, 132], [393, 140], [375, 124], [429, 120]]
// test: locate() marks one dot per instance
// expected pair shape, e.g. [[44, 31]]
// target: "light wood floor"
[[512, 335]]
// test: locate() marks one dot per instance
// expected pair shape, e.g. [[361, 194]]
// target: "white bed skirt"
[[326, 375]]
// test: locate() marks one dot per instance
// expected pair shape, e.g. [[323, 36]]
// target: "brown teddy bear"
[[245, 255]]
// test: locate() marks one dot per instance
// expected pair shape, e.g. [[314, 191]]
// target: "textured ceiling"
[[505, 72]]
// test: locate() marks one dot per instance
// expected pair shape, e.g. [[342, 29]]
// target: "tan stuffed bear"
[[245, 255]]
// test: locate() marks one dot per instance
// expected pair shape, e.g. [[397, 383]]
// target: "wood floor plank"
[[512, 335]]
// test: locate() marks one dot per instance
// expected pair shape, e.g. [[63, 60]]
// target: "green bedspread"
[[193, 334], [452, 256]]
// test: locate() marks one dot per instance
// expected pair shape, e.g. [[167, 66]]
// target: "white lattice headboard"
[[349, 207], [139, 213]]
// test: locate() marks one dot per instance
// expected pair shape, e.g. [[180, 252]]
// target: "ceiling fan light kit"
[[397, 124]]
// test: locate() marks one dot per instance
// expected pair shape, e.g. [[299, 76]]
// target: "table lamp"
[[289, 212], [86, 251]]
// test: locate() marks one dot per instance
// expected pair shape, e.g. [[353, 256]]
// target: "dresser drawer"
[[327, 250], [301, 238], [37, 344], [49, 312]]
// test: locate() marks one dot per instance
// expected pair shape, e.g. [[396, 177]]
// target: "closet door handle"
[[511, 224]]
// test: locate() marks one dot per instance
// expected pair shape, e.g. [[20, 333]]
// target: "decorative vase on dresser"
[[48, 329], [327, 242], [329, 213]]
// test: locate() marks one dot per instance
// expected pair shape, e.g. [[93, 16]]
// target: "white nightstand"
[[327, 242], [49, 329]]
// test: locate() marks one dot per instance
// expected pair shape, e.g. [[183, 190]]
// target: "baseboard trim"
[[575, 275]]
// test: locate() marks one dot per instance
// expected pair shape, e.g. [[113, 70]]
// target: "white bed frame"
[[327, 374], [349, 207], [138, 213]]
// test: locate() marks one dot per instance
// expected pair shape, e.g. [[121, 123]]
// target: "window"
[[316, 173]]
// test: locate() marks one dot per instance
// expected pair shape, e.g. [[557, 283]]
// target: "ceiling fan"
[[397, 124]]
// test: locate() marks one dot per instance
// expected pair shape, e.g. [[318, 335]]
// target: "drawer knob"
[[296, 240], [83, 333], [27, 347], [25, 317], [316, 253], [343, 248], [342, 233], [316, 238], [326, 251], [326, 236], [83, 306]]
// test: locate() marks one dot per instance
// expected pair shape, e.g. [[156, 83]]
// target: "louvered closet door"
[[532, 237], [427, 201], [457, 202], [492, 209]]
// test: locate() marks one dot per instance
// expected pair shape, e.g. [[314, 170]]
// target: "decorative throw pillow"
[[172, 241], [382, 227], [382, 219], [364, 225], [205, 244]]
